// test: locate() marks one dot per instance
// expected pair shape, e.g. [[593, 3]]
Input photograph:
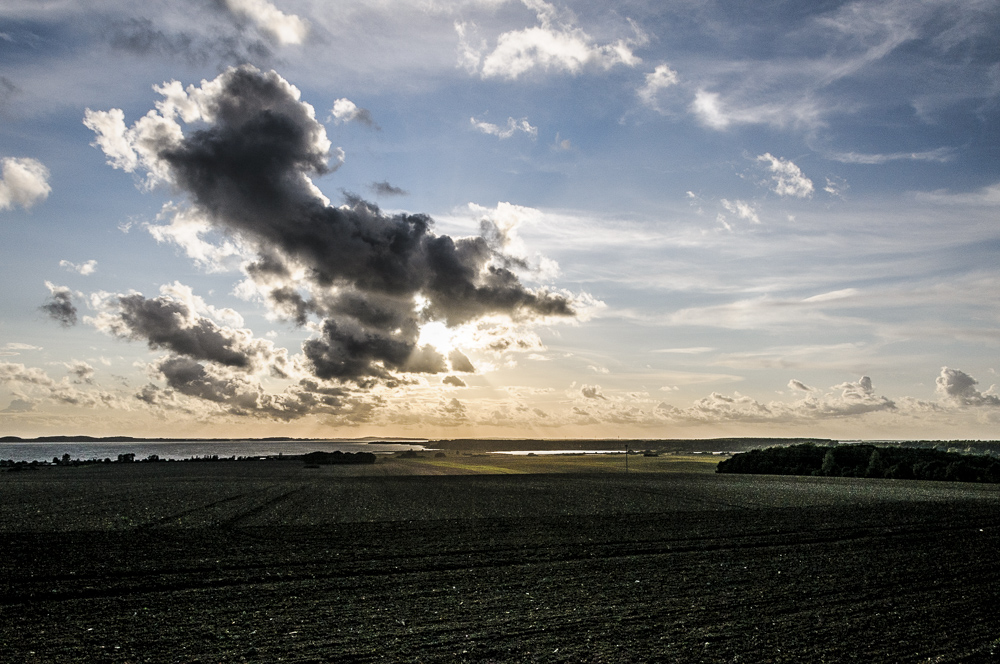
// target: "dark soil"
[[261, 564]]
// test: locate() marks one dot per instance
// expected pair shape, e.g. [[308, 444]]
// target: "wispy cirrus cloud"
[[939, 155], [512, 127]]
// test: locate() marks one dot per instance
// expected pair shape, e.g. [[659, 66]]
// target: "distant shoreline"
[[269, 439]]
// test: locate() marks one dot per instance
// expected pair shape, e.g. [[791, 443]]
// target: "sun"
[[438, 335]]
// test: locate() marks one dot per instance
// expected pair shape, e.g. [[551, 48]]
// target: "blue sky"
[[500, 218]]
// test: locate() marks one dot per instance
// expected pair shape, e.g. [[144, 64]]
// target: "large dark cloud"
[[373, 278]]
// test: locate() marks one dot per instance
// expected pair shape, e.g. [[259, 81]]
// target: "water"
[[188, 449]]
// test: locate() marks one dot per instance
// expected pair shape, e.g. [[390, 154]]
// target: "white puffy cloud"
[[507, 131], [112, 137], [554, 44], [499, 227], [23, 182], [85, 268], [345, 110], [188, 229], [855, 399], [787, 179], [659, 79], [959, 388], [285, 28], [197, 304]]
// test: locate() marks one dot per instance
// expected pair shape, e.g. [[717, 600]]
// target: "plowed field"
[[262, 561]]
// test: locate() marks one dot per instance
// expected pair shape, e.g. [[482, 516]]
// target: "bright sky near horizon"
[[500, 218]]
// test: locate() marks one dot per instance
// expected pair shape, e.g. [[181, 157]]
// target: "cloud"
[[706, 107], [787, 178], [113, 138], [192, 232], [14, 348], [959, 388], [855, 399], [459, 362], [592, 392], [191, 386], [285, 28], [86, 268], [345, 110], [372, 279], [988, 196], [799, 385], [207, 43], [25, 381], [836, 186], [940, 155], [83, 372], [500, 227], [741, 209], [659, 79], [19, 406], [454, 381], [167, 323], [383, 188], [693, 350], [554, 45], [23, 182], [60, 305], [12, 373], [512, 127]]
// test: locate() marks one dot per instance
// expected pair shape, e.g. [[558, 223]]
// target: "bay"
[[190, 449]]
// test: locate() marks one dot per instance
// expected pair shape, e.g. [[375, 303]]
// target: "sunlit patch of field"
[[564, 463]]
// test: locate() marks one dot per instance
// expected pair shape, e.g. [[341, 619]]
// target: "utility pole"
[[626, 458]]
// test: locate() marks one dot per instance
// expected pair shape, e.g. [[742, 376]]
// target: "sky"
[[500, 218]]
